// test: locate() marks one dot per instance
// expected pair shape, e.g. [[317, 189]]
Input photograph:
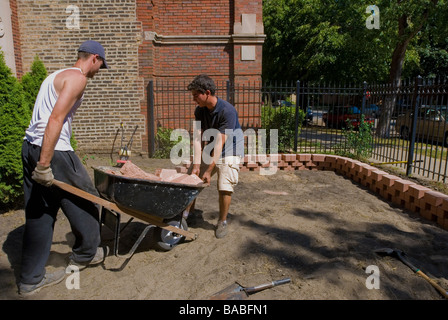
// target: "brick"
[[251, 165], [402, 185], [318, 157], [275, 157], [418, 191], [181, 169], [289, 157], [304, 157], [331, 158], [434, 198], [377, 175], [389, 180], [166, 174]]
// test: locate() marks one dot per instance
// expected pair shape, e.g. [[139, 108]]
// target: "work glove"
[[43, 175]]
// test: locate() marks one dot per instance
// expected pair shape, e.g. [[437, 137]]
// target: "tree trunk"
[[396, 67]]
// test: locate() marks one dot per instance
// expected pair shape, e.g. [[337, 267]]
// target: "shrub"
[[359, 143], [284, 119], [16, 104]]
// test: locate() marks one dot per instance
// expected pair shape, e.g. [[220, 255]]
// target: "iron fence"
[[406, 121]]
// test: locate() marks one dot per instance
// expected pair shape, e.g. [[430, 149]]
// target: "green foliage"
[[283, 119], [359, 143], [164, 143], [329, 41], [16, 103], [31, 81]]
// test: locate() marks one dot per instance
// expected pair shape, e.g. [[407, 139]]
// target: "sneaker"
[[221, 229], [49, 279], [100, 256]]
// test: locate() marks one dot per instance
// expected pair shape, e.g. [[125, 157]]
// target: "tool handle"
[[433, 283], [267, 285]]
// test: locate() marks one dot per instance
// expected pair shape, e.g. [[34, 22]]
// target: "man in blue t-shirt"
[[223, 148]]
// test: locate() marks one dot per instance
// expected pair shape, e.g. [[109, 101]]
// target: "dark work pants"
[[42, 205]]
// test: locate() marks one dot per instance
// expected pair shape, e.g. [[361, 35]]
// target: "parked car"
[[338, 117], [432, 124], [372, 110], [308, 117]]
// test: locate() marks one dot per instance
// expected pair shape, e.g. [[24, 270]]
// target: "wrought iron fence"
[[407, 122]]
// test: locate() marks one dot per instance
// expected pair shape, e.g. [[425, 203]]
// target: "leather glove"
[[43, 175]]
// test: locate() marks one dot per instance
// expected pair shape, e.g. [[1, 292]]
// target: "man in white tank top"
[[48, 155]]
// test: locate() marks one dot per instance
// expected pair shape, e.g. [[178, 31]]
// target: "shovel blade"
[[232, 292]]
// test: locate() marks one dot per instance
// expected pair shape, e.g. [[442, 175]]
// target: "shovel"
[[237, 292], [401, 255]]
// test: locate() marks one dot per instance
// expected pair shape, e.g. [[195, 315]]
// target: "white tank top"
[[45, 101]]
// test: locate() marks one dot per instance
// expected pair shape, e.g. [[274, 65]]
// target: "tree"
[[329, 41], [321, 41], [408, 19]]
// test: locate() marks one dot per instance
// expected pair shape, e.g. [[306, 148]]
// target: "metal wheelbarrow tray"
[[156, 202], [158, 198], [159, 203]]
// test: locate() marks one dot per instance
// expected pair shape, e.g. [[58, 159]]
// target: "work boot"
[[100, 256], [221, 229], [49, 279]]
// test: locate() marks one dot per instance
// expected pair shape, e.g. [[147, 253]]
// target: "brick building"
[[144, 40]]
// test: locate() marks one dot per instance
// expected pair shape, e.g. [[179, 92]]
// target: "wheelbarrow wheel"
[[166, 240]]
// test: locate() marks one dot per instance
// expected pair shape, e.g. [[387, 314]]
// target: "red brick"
[[275, 157], [418, 191], [289, 157], [402, 185], [304, 157], [318, 157], [389, 180], [251, 165], [434, 198]]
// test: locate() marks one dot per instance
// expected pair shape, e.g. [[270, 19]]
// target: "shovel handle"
[[267, 285], [433, 283]]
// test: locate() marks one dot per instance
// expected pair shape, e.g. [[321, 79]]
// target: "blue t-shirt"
[[223, 118]]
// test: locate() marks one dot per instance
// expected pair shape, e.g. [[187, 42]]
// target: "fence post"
[[413, 125], [150, 118], [363, 106], [296, 127], [229, 98]]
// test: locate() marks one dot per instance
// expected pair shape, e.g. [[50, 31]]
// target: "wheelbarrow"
[[158, 203]]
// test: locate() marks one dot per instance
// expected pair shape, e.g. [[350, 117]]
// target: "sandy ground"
[[315, 227]]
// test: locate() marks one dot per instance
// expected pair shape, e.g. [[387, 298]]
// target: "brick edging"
[[429, 204]]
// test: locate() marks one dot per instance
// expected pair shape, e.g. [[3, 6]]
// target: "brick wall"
[[114, 95], [16, 38], [144, 40], [184, 39]]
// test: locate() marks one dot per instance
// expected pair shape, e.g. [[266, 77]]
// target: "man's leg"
[[225, 198], [227, 180], [41, 207], [82, 214]]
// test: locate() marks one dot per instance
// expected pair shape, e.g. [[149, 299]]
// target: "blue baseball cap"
[[94, 47]]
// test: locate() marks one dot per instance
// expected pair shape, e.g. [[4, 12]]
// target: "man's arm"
[[217, 150]]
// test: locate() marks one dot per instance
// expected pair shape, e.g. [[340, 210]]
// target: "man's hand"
[[43, 175], [207, 177], [196, 169]]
